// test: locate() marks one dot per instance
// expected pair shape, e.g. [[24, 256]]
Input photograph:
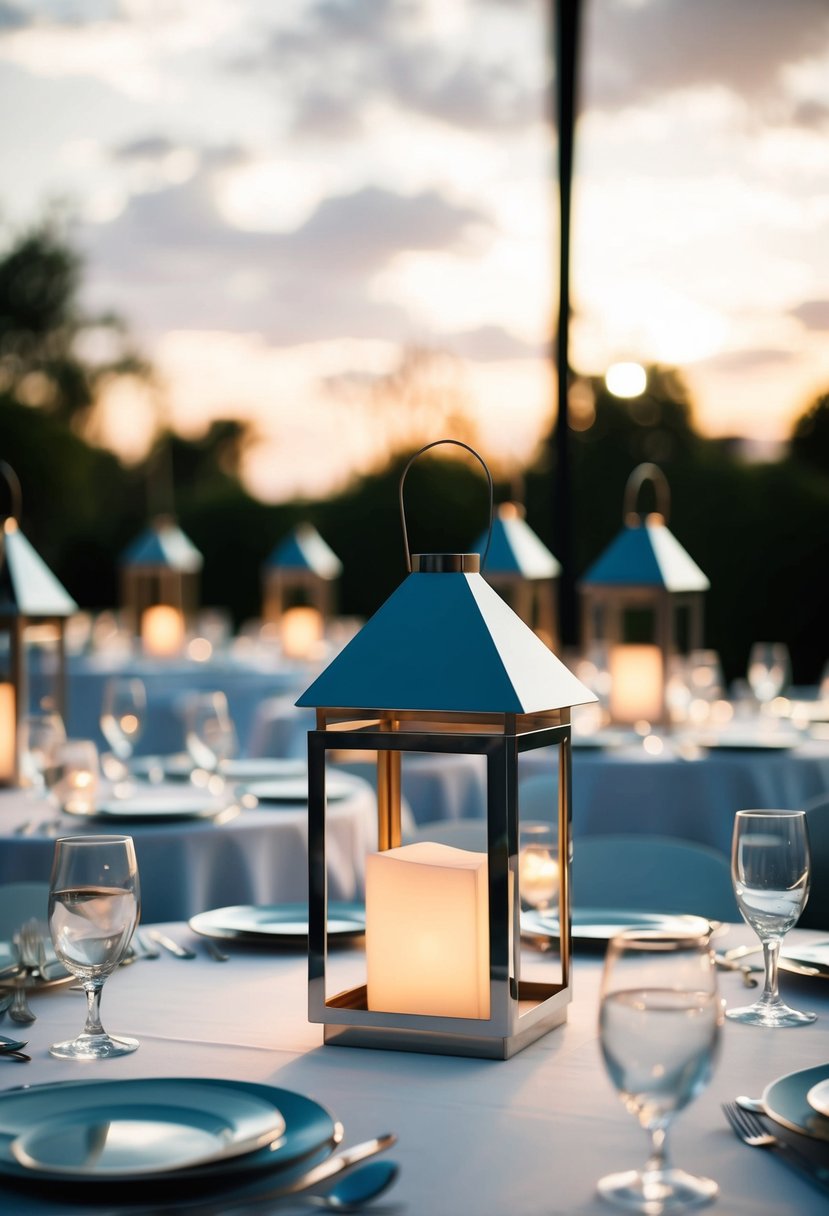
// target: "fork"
[[751, 1130]]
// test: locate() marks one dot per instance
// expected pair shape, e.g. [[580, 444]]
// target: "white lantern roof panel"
[[27, 585], [516, 549], [163, 546]]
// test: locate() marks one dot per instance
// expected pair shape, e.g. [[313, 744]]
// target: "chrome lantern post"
[[299, 581], [444, 666], [643, 600], [160, 586], [34, 608]]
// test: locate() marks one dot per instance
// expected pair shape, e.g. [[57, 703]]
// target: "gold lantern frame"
[[453, 670]]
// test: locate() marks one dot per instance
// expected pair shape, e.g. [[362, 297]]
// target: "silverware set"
[[748, 1125]]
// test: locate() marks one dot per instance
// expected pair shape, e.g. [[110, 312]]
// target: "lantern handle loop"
[[412, 459], [641, 474], [15, 492]]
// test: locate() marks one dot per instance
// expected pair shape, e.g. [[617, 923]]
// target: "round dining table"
[[529, 1136], [239, 855]]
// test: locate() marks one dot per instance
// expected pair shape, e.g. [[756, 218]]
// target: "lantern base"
[[545, 1009]]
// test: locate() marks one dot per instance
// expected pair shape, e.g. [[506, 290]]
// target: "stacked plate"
[[800, 1102], [596, 926], [277, 924], [158, 805], [88, 1138]]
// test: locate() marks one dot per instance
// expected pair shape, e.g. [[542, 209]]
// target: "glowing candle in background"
[[8, 733], [301, 632], [427, 936], [636, 683], [162, 631]]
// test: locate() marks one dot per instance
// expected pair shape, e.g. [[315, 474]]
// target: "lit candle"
[[538, 877], [162, 631], [302, 632], [8, 733], [636, 683], [427, 931]]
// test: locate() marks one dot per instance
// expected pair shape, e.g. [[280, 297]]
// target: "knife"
[[167, 942]]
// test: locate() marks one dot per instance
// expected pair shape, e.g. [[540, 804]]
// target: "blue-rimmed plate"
[[203, 1102], [277, 923], [592, 925], [786, 1101]]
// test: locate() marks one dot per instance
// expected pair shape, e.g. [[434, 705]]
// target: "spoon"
[[358, 1188], [752, 1104]]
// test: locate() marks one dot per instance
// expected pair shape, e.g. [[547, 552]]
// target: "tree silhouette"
[[44, 331], [810, 436]]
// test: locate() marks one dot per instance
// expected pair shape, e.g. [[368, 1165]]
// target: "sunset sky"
[[281, 198]]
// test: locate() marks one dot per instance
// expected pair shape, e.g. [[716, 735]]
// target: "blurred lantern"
[[523, 570], [34, 608], [298, 589], [643, 598], [160, 586], [444, 666]]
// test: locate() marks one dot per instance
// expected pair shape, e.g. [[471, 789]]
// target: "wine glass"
[[94, 906], [769, 670], [76, 771], [770, 872], [122, 714], [659, 1028], [538, 874], [40, 733], [210, 735]]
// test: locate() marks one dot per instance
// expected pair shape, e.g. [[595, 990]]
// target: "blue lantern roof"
[[515, 549], [446, 643], [164, 546], [646, 555], [304, 549], [27, 585]]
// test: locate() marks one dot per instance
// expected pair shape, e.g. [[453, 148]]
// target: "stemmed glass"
[[659, 1028], [41, 733], [122, 715], [769, 670], [210, 734], [770, 872], [94, 905]]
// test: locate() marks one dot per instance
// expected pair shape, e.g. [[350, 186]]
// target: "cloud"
[[813, 313], [57, 13], [491, 343], [634, 51], [381, 49], [12, 17], [171, 261], [749, 360]]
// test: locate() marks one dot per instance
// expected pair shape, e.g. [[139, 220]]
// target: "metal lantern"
[[444, 666], [523, 570], [643, 599], [34, 608], [298, 589], [160, 586]]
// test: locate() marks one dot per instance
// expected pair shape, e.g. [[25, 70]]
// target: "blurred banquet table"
[[245, 682], [189, 865], [529, 1136]]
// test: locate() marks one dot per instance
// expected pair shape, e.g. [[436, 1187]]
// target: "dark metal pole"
[[566, 38]]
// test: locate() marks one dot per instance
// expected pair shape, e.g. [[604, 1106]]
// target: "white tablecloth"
[[188, 866], [525, 1137]]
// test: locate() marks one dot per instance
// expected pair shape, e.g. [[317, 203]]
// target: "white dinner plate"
[[263, 768], [815, 956], [786, 1101], [277, 923], [600, 924], [152, 807], [204, 1112], [295, 789], [818, 1098]]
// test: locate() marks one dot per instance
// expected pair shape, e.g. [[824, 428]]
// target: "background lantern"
[[298, 589], [34, 608], [160, 586], [444, 666], [643, 599], [523, 571]]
